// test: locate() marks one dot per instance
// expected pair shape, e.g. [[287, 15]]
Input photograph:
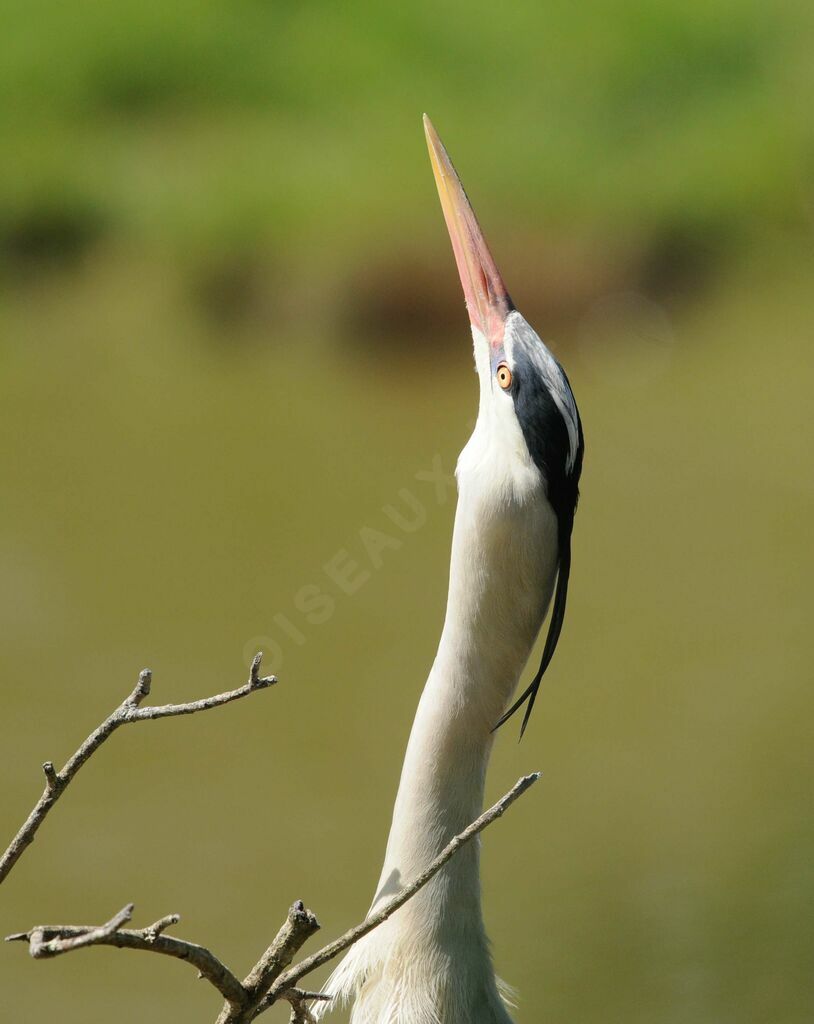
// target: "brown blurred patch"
[[404, 297], [236, 290], [554, 284], [51, 235], [409, 297], [681, 260], [557, 282]]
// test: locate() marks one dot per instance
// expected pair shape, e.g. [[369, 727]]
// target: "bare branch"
[[128, 711], [271, 979], [290, 977], [50, 940]]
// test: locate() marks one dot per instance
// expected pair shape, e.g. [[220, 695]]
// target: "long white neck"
[[501, 574], [430, 962]]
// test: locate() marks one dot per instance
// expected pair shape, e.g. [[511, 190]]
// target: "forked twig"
[[272, 978], [56, 782], [50, 940]]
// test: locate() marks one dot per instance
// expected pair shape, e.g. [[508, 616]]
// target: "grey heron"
[[518, 478]]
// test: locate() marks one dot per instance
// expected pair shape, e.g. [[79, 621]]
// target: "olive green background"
[[231, 335]]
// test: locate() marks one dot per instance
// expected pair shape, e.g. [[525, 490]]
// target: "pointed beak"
[[487, 300]]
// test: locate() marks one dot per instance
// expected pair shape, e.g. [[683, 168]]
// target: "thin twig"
[[290, 977], [152, 931], [300, 1014], [299, 993], [40, 947], [50, 940], [128, 711], [298, 998]]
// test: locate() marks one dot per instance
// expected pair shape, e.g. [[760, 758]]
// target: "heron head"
[[525, 394]]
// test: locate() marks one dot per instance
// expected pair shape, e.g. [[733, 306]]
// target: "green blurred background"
[[231, 334]]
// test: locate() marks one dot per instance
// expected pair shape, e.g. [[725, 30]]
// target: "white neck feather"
[[430, 963], [501, 573]]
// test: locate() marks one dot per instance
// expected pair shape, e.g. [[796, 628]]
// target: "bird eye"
[[504, 376]]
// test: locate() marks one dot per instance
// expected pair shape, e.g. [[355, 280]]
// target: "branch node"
[[142, 688], [300, 1014], [36, 943], [256, 681], [151, 932], [299, 915], [51, 777]]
